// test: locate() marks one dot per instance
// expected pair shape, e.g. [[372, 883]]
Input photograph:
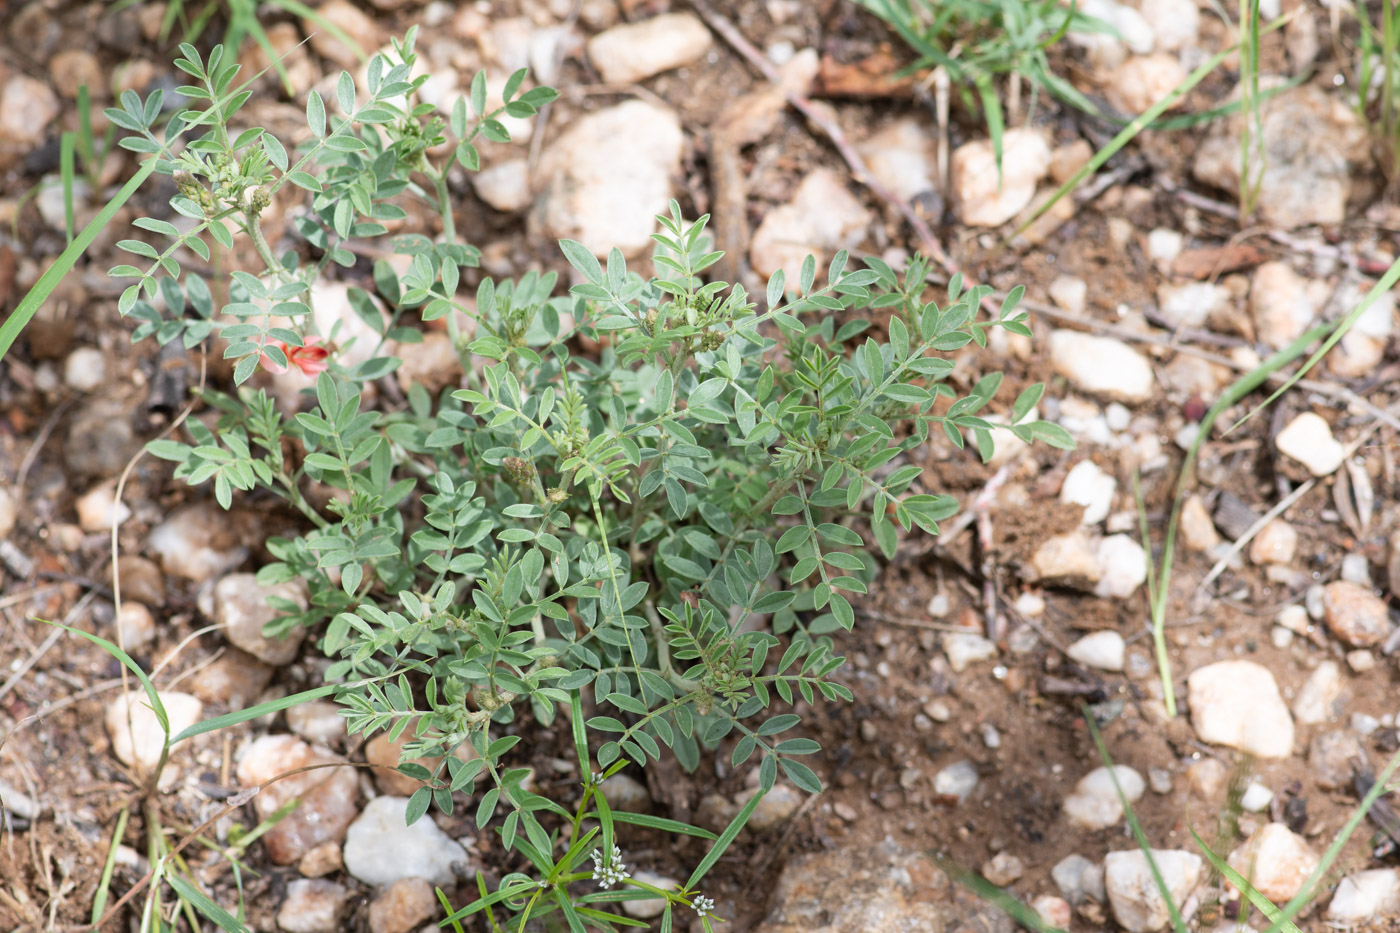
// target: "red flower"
[[310, 359]]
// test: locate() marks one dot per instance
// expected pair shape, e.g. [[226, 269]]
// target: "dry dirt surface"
[[969, 735]]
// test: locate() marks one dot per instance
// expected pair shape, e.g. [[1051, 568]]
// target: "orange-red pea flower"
[[310, 359]]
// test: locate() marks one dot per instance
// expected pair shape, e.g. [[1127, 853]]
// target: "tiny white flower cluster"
[[703, 905], [608, 872], [595, 777]]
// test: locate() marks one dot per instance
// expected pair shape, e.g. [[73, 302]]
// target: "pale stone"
[[634, 52], [1068, 159], [1366, 896], [327, 795], [137, 737], [1066, 559], [1320, 691], [505, 186], [380, 848], [1088, 485], [1094, 804], [1137, 902], [242, 609], [1237, 704], [1122, 567], [649, 908], [986, 197], [822, 217], [28, 109], [1070, 293], [313, 906], [965, 649], [1142, 81], [1102, 366], [1174, 24], [194, 543], [85, 369], [1308, 439], [1275, 543], [1276, 860], [136, 626], [901, 157], [403, 906], [1190, 304], [774, 810], [608, 175], [99, 510], [1197, 529], [1312, 139], [353, 22], [1283, 303], [1354, 614], [1103, 651]]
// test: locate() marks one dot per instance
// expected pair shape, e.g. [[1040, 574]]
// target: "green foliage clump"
[[655, 542]]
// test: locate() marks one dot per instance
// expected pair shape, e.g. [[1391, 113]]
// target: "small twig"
[[1275, 512], [48, 643], [1244, 539], [814, 114], [40, 439]]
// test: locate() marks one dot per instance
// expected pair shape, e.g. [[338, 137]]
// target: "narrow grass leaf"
[[30, 303], [1262, 903], [725, 838], [1178, 922]]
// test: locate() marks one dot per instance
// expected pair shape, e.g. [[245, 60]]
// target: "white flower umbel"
[[608, 872], [703, 905]]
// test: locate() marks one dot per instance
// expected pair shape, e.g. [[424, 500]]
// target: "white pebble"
[[1102, 650], [1094, 804], [957, 780], [1308, 439], [967, 648], [1088, 485], [1355, 569], [1256, 797], [85, 370]]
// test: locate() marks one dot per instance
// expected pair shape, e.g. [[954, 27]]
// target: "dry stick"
[[39, 440], [236, 801], [814, 114]]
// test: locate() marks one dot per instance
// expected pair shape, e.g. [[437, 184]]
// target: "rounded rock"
[[1354, 614], [1103, 651], [1308, 439], [380, 848], [1095, 804], [1237, 703], [633, 52]]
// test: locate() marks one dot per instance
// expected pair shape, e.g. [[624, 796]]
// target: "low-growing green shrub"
[[654, 540]]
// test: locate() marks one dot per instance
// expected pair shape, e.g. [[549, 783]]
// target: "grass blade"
[[1136, 126], [30, 303], [66, 171], [201, 902], [1305, 894], [726, 837], [1339, 330], [1240, 388], [130, 665], [253, 712], [104, 887], [985, 890], [1178, 923], [1261, 903]]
